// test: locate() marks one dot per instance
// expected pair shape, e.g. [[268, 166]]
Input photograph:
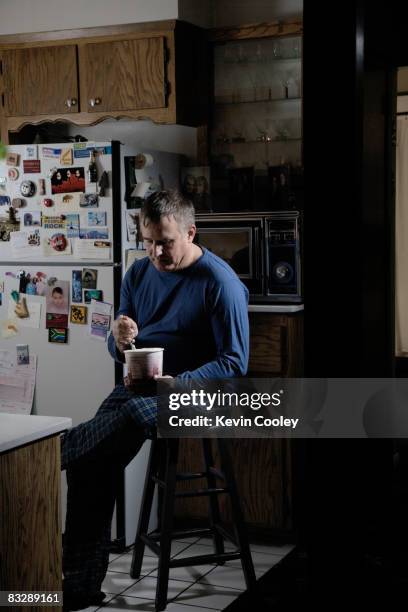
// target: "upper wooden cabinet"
[[152, 70], [40, 81], [135, 67]]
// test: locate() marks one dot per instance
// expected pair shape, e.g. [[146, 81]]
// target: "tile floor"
[[191, 589]]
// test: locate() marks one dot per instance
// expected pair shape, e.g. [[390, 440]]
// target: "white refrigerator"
[[63, 221]]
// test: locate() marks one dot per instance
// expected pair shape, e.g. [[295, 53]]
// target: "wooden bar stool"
[[162, 470]]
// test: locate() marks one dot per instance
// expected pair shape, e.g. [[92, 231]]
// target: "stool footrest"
[[201, 492], [190, 475], [203, 559], [150, 543], [183, 533]]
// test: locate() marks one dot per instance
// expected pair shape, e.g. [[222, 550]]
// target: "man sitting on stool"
[[181, 297]]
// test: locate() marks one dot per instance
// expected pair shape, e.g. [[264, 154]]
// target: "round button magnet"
[[47, 202], [27, 188], [13, 174]]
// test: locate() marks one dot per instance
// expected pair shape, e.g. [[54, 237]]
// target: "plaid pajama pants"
[[94, 455]]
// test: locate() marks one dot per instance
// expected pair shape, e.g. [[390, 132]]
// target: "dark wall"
[[348, 228]]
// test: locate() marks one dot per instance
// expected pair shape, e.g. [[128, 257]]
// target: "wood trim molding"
[[56, 36], [257, 30], [15, 124]]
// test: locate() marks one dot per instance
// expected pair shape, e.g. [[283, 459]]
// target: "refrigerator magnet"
[[13, 174], [31, 166], [13, 159], [89, 200], [78, 315], [76, 295], [31, 151], [27, 189], [41, 186], [92, 294], [47, 202], [17, 202], [89, 278], [4, 200], [58, 335], [66, 157]]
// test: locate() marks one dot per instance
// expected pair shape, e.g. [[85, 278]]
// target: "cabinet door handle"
[[71, 102], [95, 101]]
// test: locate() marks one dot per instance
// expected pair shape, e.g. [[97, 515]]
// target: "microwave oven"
[[263, 250]]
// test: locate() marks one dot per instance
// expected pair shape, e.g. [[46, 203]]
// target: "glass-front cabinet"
[[256, 129]]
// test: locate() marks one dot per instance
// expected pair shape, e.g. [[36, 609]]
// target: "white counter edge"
[[19, 429], [276, 308]]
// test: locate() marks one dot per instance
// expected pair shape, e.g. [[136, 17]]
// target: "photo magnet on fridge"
[[65, 180], [92, 294], [23, 356], [58, 335], [76, 295], [89, 278]]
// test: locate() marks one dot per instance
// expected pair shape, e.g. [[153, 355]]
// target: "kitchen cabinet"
[[256, 129], [263, 467], [135, 67], [39, 81], [138, 71]]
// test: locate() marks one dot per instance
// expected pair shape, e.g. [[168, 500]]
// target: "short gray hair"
[[166, 203]]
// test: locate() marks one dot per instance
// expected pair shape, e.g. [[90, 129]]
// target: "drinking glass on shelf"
[[276, 49], [295, 50]]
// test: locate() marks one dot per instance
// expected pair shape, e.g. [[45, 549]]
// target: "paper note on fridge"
[[91, 249], [17, 384], [34, 313]]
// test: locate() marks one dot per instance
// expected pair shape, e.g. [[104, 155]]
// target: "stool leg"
[[215, 516], [166, 523], [145, 510], [238, 517]]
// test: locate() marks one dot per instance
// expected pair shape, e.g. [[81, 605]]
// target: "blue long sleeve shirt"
[[199, 315]]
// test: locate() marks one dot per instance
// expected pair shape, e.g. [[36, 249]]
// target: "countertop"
[[19, 429], [282, 308]]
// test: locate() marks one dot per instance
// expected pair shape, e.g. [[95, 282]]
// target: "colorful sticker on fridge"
[[78, 315], [66, 157], [76, 294], [89, 278], [58, 335], [66, 180], [72, 225], [5, 201], [92, 294], [31, 166], [56, 320], [100, 318], [96, 218], [51, 153], [32, 218], [88, 233], [53, 222]]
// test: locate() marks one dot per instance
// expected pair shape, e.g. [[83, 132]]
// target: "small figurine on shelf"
[[103, 183]]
